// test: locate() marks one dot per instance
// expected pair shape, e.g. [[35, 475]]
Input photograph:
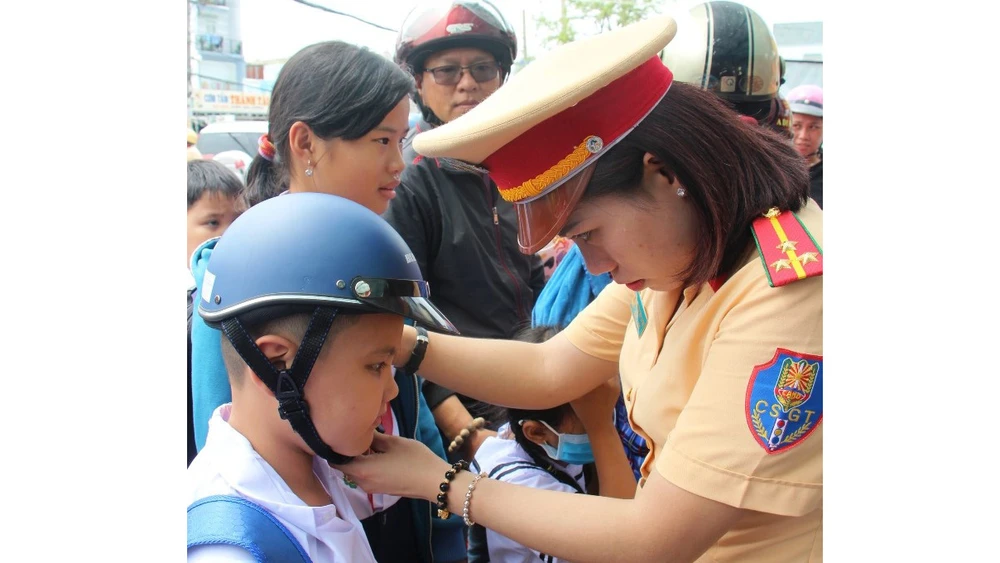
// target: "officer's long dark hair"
[[553, 417], [339, 90]]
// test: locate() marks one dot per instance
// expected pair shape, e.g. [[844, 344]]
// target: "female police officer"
[[715, 322]]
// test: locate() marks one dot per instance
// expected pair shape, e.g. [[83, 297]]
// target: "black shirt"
[[816, 182], [464, 237]]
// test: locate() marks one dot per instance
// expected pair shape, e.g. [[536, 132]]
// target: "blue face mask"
[[572, 448]]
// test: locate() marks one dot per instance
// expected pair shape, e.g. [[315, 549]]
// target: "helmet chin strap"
[[289, 385]]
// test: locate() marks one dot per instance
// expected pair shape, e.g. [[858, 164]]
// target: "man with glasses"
[[462, 233]]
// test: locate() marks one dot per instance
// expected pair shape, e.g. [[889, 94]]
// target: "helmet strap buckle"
[[289, 396]]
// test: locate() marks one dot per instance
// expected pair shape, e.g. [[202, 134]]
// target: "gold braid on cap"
[[537, 185]]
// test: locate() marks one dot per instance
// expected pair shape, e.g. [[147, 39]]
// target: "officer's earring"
[[309, 170], [681, 192]]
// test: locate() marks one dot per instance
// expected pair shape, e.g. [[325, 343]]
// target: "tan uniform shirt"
[[726, 388]]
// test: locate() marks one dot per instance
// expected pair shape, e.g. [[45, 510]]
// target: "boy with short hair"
[[310, 291], [214, 201]]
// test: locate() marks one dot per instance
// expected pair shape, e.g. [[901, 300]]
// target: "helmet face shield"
[[540, 220]]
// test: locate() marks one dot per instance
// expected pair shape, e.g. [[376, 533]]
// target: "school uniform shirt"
[[228, 465], [725, 385], [505, 460]]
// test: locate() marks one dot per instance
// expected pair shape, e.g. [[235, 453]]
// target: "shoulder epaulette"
[[786, 248]]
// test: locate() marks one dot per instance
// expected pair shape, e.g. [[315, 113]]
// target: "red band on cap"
[[549, 151]]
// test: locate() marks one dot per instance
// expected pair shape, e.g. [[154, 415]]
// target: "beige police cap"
[[552, 83]]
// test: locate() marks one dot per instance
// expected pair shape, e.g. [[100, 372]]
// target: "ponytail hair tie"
[[265, 148]]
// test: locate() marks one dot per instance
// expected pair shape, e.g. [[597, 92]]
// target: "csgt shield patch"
[[785, 399]]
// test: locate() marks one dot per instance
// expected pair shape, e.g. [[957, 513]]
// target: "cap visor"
[[539, 220], [419, 309], [806, 109]]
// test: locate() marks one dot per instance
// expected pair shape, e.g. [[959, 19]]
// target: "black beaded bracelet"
[[442, 497]]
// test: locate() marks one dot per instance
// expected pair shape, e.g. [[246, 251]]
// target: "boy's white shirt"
[[504, 449], [228, 465]]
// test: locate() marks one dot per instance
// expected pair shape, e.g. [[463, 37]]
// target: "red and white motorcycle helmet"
[[435, 26]]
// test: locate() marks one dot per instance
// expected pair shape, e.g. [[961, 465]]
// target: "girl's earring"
[[681, 192], [309, 170]]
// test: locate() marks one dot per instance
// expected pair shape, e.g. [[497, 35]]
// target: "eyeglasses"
[[450, 75]]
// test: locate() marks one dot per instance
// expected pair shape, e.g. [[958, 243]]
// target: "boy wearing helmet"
[[310, 331], [462, 233], [806, 103]]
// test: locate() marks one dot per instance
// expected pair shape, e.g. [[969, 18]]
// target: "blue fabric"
[[634, 444], [447, 537], [570, 289], [209, 380], [230, 520]]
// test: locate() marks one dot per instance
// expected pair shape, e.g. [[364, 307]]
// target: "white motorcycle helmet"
[[726, 48]]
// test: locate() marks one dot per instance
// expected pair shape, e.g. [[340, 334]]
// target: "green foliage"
[[603, 15]]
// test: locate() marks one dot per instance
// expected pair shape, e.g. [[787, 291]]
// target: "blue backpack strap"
[[235, 521]]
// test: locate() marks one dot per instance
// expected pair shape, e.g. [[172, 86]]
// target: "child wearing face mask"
[[545, 449]]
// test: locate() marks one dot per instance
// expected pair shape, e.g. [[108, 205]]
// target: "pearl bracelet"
[[468, 499]]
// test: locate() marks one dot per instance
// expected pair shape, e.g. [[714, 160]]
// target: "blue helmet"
[[315, 249], [308, 252]]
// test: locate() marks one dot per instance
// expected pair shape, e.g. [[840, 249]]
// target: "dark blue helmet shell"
[[315, 249]]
